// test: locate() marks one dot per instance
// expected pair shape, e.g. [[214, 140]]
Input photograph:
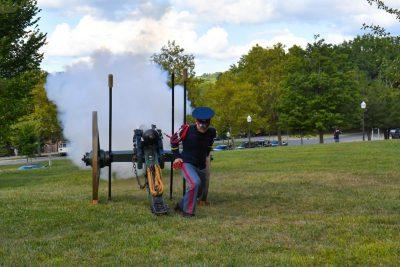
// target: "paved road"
[[328, 139], [294, 141]]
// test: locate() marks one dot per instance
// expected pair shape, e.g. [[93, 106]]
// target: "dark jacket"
[[336, 134], [196, 146]]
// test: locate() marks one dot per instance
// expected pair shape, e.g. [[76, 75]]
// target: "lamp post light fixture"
[[228, 135], [249, 121], [363, 107]]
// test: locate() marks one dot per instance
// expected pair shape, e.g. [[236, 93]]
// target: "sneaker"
[[187, 215], [178, 208]]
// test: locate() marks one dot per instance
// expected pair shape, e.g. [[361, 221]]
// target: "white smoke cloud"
[[140, 97]]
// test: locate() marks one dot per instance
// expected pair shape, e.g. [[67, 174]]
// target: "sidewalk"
[[23, 157], [22, 160]]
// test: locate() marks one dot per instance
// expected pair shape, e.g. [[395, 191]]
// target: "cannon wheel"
[[95, 158]]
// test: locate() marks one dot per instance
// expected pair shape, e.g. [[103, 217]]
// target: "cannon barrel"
[[120, 156]]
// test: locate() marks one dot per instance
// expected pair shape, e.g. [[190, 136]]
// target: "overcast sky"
[[217, 32]]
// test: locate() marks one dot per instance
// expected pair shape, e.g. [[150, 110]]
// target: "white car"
[[62, 149]]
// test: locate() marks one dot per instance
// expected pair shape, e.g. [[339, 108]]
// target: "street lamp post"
[[363, 107], [228, 135], [249, 121]]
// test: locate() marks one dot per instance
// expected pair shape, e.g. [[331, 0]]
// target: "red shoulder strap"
[[183, 131], [180, 135]]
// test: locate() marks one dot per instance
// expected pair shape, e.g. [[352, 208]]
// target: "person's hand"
[[177, 164], [178, 160]]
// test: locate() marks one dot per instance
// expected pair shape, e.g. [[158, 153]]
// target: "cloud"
[[231, 11], [212, 42], [51, 3], [144, 35], [147, 35], [336, 38], [206, 29], [68, 8], [378, 17], [230, 51], [150, 9], [115, 10], [290, 11]]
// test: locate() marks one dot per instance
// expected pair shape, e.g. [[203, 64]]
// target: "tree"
[[325, 84], [26, 139], [250, 87], [20, 38], [295, 113], [263, 69], [20, 41], [378, 60], [233, 100], [41, 120], [200, 87], [15, 102], [173, 59], [44, 113], [368, 52], [377, 97]]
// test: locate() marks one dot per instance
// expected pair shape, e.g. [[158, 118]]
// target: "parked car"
[[246, 145], [263, 143], [253, 144], [221, 147], [276, 143], [395, 133]]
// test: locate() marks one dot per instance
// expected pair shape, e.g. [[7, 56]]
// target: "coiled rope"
[[156, 186]]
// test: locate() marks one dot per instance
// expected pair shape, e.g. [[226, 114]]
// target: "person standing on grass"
[[197, 144], [336, 135]]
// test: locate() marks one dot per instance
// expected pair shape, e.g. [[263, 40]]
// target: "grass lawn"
[[335, 204]]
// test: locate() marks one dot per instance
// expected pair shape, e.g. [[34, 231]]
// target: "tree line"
[[309, 90], [304, 90]]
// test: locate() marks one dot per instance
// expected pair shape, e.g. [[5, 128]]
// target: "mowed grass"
[[335, 204]]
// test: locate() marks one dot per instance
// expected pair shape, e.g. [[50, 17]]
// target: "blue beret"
[[203, 113]]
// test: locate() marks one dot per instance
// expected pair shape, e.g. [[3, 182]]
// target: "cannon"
[[147, 153]]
